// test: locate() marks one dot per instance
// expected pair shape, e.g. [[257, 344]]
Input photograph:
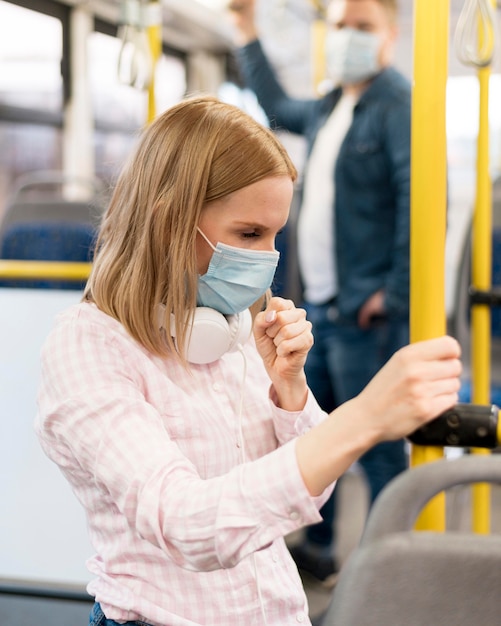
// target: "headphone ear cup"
[[212, 334], [209, 337]]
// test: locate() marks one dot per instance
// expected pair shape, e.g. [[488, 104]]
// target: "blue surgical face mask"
[[352, 55], [235, 278]]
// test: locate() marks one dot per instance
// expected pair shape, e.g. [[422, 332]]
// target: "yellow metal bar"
[[44, 270], [319, 7], [319, 63], [429, 199], [482, 251], [482, 280], [318, 35], [154, 31]]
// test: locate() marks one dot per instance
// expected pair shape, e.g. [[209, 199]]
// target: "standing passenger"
[[353, 228], [193, 446]]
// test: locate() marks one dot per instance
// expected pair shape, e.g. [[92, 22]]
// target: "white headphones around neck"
[[212, 333]]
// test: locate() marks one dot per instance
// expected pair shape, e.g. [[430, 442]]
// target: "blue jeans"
[[343, 359], [98, 618]]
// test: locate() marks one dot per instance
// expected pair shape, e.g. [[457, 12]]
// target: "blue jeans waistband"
[[98, 618]]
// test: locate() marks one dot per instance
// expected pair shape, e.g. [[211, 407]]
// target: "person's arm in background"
[[282, 110]]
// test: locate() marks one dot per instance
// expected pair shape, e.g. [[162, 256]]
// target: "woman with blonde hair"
[[194, 444]]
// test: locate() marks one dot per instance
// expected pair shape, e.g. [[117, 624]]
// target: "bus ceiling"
[[187, 25]]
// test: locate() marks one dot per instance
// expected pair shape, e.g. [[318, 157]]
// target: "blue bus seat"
[[402, 577], [47, 241], [41, 224]]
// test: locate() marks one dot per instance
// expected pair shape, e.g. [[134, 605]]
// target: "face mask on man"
[[352, 55], [236, 278]]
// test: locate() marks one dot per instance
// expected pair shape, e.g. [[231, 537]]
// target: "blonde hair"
[[196, 152]]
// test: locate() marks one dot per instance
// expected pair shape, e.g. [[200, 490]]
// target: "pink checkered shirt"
[[186, 532]]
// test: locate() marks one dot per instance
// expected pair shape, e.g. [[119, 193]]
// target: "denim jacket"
[[372, 178]]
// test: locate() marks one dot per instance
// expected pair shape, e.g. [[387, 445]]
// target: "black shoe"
[[322, 568]]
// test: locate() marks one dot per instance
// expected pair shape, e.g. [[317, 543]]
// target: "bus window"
[[120, 110], [31, 93], [114, 103], [30, 57], [170, 82]]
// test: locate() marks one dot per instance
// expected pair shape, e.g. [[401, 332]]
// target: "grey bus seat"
[[402, 577], [40, 196]]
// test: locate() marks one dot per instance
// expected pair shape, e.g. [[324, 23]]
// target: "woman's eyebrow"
[[256, 225]]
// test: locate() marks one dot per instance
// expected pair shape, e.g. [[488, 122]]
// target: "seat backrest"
[[402, 577], [48, 196], [49, 210]]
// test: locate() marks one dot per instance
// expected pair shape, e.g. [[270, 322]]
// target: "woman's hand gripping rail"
[[418, 383]]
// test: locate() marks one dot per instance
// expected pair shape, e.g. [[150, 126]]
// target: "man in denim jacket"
[[353, 227]]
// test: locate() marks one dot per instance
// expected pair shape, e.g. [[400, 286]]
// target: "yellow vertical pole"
[[319, 31], [154, 31], [482, 280], [318, 34], [429, 199]]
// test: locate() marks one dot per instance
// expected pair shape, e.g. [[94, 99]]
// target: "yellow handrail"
[[481, 279], [154, 32], [319, 63], [429, 199], [46, 270], [318, 36]]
